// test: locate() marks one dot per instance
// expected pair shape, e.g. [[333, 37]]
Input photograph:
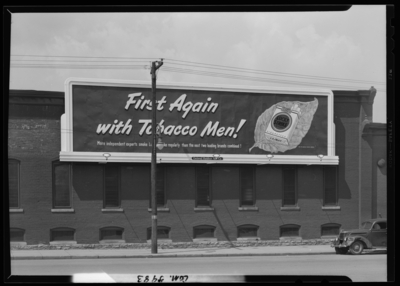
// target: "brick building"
[[55, 197]]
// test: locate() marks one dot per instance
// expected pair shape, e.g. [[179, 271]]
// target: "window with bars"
[[111, 233], [290, 230], [247, 184], [247, 230], [62, 234], [162, 232], [13, 183], [61, 185], [330, 229], [203, 186], [330, 185], [289, 186], [204, 231], [112, 186], [17, 235]]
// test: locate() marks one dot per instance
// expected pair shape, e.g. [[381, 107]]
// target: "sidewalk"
[[177, 252]]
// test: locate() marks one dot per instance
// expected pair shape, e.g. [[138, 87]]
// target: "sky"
[[334, 50]]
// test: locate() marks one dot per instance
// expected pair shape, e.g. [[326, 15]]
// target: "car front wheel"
[[341, 250], [357, 247]]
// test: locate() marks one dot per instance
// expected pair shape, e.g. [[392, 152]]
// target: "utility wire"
[[188, 71], [180, 70], [67, 64], [221, 67], [272, 73], [86, 57], [80, 61]]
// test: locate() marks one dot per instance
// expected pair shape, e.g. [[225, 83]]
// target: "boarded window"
[[247, 185], [17, 235], [290, 230], [289, 186], [13, 183], [111, 186], [203, 185], [61, 185], [162, 232], [330, 229], [247, 231], [111, 233], [62, 234], [330, 185], [204, 231]]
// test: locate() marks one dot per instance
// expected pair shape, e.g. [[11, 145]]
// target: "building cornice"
[[354, 95]]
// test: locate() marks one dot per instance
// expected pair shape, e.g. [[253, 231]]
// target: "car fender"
[[367, 243]]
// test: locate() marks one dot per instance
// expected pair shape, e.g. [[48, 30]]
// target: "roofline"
[[35, 93]]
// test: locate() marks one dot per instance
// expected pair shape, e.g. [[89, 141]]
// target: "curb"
[[163, 255]]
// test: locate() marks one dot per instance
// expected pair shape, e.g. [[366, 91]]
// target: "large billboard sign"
[[111, 120]]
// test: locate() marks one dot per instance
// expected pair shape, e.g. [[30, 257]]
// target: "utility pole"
[[154, 66]]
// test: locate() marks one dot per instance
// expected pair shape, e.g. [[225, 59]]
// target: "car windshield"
[[366, 225]]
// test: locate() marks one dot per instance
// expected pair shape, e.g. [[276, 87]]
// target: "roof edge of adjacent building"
[[35, 93], [368, 94]]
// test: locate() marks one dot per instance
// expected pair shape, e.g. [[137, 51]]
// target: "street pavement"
[[175, 252]]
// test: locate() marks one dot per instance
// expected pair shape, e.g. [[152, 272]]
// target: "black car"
[[371, 235]]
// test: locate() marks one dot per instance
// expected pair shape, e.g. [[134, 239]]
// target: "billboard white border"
[[67, 153]]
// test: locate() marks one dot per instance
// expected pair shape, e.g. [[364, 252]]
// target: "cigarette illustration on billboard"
[[283, 126]]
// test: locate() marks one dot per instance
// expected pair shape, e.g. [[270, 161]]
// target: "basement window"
[[247, 232], [17, 235], [62, 235], [330, 230], [163, 234], [204, 233], [111, 235], [290, 231]]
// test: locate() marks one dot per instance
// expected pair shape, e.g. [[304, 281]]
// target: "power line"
[[67, 64], [178, 70], [79, 61], [86, 57], [221, 67], [274, 73], [188, 71]]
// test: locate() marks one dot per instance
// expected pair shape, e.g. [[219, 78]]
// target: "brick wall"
[[35, 141]]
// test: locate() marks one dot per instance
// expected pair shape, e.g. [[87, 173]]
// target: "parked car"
[[371, 235]]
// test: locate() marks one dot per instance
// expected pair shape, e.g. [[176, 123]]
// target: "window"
[[111, 233], [247, 186], [247, 231], [330, 229], [289, 186], [290, 230], [62, 234], [330, 186], [379, 225], [111, 186], [204, 231], [13, 183], [203, 186], [61, 185], [162, 232], [160, 187], [17, 235]]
